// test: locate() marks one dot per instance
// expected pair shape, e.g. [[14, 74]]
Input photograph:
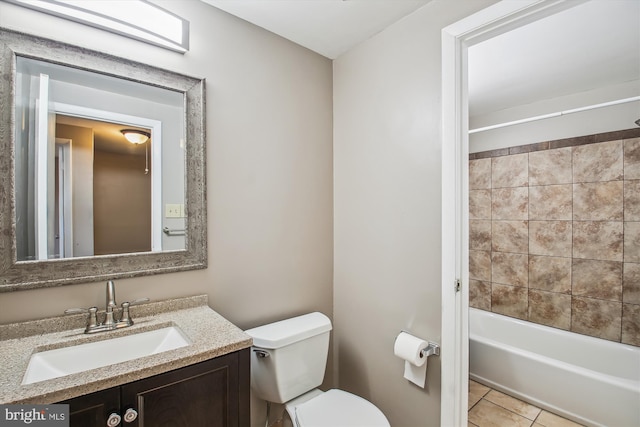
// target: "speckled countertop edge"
[[211, 336]]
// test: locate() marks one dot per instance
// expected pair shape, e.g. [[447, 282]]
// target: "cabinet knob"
[[113, 420], [130, 415]]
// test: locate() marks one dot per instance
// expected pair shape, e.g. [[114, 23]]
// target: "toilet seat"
[[339, 408]]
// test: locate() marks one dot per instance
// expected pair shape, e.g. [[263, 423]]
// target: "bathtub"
[[589, 380]]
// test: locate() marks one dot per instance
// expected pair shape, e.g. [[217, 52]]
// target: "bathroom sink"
[[59, 362]]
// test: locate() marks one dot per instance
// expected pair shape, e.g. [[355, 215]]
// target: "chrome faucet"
[[110, 323], [110, 305]]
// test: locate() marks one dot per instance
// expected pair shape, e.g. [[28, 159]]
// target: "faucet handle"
[[93, 318], [126, 318]]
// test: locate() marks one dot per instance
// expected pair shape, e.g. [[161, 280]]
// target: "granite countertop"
[[211, 336]]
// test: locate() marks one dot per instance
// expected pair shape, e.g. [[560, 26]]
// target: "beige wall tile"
[[552, 274], [550, 167], [551, 202], [480, 204], [510, 171], [597, 279], [480, 234], [598, 240], [550, 308], [598, 318], [510, 236], [510, 203], [632, 158], [509, 300], [632, 241], [631, 324], [598, 162], [510, 269], [564, 225], [632, 200], [551, 238], [480, 294], [631, 283], [598, 201], [480, 265], [480, 174]]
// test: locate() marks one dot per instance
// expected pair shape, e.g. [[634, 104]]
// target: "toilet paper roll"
[[410, 348]]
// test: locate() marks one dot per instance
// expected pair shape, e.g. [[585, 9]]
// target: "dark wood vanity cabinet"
[[214, 393], [94, 409]]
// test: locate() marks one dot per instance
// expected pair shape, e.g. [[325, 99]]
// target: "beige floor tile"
[[487, 414], [513, 404], [547, 419], [470, 424], [476, 392]]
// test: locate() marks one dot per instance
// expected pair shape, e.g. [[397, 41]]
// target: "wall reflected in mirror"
[[81, 188]]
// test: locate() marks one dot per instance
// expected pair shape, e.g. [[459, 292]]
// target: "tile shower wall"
[[555, 234]]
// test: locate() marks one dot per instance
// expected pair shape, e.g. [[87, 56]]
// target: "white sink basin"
[[78, 358]]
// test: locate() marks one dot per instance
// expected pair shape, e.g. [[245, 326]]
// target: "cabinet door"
[[93, 410], [201, 395]]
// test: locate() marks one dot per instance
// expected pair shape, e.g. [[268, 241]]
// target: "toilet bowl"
[[288, 361], [334, 408]]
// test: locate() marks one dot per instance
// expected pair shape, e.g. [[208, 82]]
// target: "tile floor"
[[491, 408]]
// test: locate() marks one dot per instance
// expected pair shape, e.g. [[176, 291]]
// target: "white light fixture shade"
[[135, 136], [137, 19]]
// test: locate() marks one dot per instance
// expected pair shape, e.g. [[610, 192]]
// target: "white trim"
[[156, 156], [42, 168], [456, 38], [65, 211]]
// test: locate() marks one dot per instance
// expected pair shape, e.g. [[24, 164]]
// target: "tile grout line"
[[513, 412], [534, 421]]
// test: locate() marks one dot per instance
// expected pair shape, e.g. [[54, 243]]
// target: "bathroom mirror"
[[103, 168]]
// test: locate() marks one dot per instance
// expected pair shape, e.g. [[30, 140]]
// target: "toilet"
[[288, 361]]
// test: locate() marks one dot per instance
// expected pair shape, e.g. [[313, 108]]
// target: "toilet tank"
[[289, 357]]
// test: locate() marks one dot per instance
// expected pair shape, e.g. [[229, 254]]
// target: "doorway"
[[456, 39]]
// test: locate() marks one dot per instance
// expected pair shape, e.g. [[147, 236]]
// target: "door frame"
[[497, 19], [65, 201], [156, 155]]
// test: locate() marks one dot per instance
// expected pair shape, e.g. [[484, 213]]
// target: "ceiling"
[[587, 46], [328, 27], [592, 45], [107, 136]]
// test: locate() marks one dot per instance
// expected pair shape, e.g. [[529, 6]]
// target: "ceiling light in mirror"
[[135, 136]]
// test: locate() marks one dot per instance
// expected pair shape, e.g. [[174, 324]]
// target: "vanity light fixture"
[[136, 136], [137, 19]]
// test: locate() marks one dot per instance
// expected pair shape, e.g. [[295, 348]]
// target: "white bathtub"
[[589, 380]]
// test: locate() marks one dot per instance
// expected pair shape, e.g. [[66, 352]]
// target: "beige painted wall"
[[122, 203], [269, 171], [387, 209]]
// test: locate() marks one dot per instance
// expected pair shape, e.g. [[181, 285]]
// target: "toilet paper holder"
[[431, 349]]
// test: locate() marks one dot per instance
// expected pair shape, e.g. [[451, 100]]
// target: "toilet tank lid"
[[289, 331]]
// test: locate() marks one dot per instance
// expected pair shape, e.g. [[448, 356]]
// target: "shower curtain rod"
[[557, 114]]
